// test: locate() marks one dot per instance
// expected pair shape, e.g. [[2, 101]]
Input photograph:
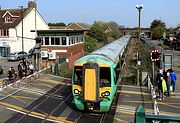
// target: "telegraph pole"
[[22, 31]]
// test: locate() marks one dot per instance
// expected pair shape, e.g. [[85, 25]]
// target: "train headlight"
[[106, 93], [77, 92]]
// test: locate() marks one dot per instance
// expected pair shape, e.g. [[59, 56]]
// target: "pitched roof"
[[14, 13], [78, 26]]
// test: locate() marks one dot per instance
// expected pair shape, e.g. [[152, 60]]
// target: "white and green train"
[[95, 76]]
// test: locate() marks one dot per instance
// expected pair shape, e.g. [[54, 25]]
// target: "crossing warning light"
[[39, 40], [155, 55]]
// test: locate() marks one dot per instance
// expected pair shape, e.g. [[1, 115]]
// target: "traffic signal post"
[[155, 56]]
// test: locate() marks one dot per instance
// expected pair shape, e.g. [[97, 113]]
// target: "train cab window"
[[78, 75], [105, 77]]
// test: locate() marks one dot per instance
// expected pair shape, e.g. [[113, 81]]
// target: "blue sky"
[[121, 11]]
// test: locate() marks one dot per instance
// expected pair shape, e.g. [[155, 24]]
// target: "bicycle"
[[13, 81]]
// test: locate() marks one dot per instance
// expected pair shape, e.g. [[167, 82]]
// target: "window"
[[77, 39], [52, 41], [8, 19], [57, 41], [4, 33], [63, 40], [105, 77], [46, 40], [78, 75]]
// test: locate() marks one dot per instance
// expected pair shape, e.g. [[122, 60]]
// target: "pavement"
[[170, 105], [131, 97]]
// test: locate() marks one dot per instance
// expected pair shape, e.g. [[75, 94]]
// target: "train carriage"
[[95, 76]]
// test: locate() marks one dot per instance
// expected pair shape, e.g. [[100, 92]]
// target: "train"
[[95, 76]]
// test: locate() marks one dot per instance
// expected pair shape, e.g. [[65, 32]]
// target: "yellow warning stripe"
[[20, 109], [54, 82]]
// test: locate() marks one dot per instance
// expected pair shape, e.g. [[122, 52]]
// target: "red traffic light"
[[39, 40], [155, 55]]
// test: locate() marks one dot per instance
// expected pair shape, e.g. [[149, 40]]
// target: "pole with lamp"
[[138, 7], [22, 32]]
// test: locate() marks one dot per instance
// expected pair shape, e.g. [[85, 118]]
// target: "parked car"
[[17, 56], [1, 70]]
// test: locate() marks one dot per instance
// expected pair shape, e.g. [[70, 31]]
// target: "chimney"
[[32, 4]]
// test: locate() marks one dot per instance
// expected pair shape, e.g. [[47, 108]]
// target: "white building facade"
[[11, 29]]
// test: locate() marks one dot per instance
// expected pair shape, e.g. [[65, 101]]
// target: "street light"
[[139, 7], [22, 31]]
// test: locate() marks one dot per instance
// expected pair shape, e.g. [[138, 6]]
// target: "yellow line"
[[165, 103], [125, 112], [34, 113], [133, 107], [133, 92], [49, 86], [136, 101], [120, 120], [22, 97], [54, 82]]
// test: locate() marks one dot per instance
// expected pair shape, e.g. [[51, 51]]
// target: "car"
[[17, 56], [1, 70]]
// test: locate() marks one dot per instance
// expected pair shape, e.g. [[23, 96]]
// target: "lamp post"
[[22, 31], [139, 7]]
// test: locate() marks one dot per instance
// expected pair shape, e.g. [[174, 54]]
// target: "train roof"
[[113, 49]]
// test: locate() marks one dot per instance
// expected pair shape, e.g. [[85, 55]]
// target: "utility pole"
[[22, 31]]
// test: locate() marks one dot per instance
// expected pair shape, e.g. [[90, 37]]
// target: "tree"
[[158, 27], [90, 44], [97, 32], [158, 32], [157, 23]]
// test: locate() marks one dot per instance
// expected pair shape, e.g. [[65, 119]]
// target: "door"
[[91, 82]]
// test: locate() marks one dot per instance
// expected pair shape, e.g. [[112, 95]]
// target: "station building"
[[63, 44]]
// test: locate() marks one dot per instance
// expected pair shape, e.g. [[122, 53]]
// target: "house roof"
[[78, 26], [14, 13]]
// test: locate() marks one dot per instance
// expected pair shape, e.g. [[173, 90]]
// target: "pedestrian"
[[161, 95], [31, 67], [168, 84], [165, 74], [164, 88], [158, 77], [20, 69], [10, 74], [173, 80]]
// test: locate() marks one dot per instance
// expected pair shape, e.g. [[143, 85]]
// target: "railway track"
[[56, 106]]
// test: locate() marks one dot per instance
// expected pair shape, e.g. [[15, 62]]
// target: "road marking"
[[132, 109], [54, 82], [120, 120], [131, 86], [33, 114], [46, 85], [133, 92], [59, 77]]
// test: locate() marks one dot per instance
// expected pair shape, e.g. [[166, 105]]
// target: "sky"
[[123, 12]]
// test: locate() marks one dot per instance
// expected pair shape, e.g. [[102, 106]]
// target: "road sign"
[[168, 61]]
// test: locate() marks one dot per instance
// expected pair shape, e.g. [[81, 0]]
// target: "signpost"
[[155, 56]]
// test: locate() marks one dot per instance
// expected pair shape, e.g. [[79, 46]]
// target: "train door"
[[91, 82]]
